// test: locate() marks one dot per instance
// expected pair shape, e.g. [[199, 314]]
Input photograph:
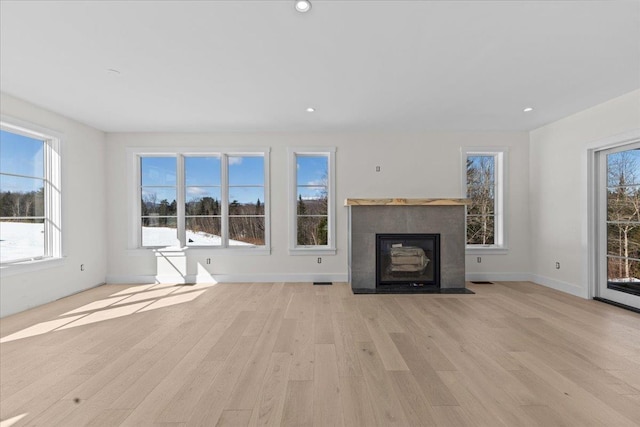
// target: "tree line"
[[21, 204], [312, 222], [246, 220]]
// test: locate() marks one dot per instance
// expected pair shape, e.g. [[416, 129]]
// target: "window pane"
[[623, 168], [159, 201], [623, 270], [481, 190], [312, 201], [202, 171], [312, 230], [203, 231], [246, 231], [203, 201], [480, 170], [246, 200], [21, 155], [158, 171], [21, 239], [245, 170], [623, 239], [481, 206], [480, 230], [312, 170], [21, 196], [623, 203], [159, 231]]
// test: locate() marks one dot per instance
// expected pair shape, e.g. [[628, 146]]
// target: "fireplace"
[[407, 218], [407, 262]]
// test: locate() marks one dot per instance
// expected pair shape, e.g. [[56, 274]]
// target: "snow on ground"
[[21, 240], [166, 236]]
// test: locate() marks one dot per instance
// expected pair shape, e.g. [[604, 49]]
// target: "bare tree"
[[481, 191], [623, 214]]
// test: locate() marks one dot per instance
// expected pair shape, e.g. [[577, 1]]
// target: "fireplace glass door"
[[407, 260]]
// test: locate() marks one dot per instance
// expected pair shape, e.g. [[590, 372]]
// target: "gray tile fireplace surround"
[[368, 217]]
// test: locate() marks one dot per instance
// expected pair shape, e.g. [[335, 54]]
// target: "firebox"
[[407, 262]]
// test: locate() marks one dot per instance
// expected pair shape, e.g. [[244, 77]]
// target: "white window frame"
[[500, 155], [330, 247], [53, 253], [135, 221]]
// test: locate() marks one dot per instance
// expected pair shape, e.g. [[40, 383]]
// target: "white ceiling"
[[391, 65]]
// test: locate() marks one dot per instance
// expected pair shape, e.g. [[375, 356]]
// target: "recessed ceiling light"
[[310, 110], [528, 109], [303, 6]]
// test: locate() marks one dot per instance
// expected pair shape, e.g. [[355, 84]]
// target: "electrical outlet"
[[319, 260], [557, 266], [377, 168], [81, 267], [208, 260], [479, 260]]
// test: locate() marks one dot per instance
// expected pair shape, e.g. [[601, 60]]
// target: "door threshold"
[[617, 304]]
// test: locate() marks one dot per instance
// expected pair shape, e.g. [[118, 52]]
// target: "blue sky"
[[202, 176], [624, 161], [246, 177], [20, 155], [311, 171]]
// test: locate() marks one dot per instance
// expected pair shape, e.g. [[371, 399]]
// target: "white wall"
[[558, 189], [83, 214], [412, 165]]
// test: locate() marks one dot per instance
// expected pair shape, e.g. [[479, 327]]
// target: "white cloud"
[[235, 161], [196, 191]]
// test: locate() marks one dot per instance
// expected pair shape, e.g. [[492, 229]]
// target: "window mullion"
[[180, 196], [48, 244], [224, 194]]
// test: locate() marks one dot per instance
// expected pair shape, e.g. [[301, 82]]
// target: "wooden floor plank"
[[298, 404], [268, 411], [327, 397]]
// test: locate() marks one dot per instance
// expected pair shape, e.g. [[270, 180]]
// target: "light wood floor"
[[297, 354]]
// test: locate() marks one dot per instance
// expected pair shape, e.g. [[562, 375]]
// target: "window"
[[484, 185], [203, 208], [29, 194], [158, 190], [312, 207], [621, 195], [206, 199]]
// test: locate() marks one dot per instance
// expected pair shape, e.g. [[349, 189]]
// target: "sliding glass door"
[[619, 224]]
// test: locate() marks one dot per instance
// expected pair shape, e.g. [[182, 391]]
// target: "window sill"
[[495, 250], [30, 266], [312, 251]]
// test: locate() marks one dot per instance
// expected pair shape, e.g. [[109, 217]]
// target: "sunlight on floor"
[[12, 421], [135, 299]]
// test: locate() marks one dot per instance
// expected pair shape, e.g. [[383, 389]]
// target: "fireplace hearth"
[[407, 262]]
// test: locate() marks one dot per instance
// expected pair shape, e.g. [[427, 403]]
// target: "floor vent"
[[323, 283], [481, 282]]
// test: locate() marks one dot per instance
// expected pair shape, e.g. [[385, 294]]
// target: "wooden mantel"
[[407, 202]]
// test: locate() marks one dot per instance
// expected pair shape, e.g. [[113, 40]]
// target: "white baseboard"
[[498, 277], [569, 288], [558, 285], [566, 287], [230, 278]]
